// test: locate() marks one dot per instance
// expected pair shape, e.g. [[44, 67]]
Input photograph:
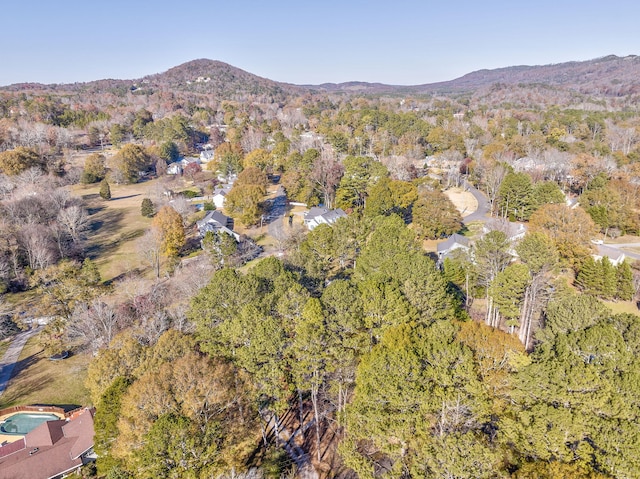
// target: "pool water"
[[21, 423]]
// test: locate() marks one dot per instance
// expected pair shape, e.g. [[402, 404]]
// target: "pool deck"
[[7, 438]]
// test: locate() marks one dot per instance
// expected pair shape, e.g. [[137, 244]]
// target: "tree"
[[515, 197], [571, 229], [252, 176], [127, 164], [538, 252], [146, 208], [391, 196], [418, 406], [94, 169], [360, 174], [75, 220], [625, 289], [243, 203], [434, 216], [227, 159], [14, 162], [507, 292], [220, 246], [169, 223], [573, 403], [492, 256], [169, 152], [105, 190], [309, 356], [106, 423]]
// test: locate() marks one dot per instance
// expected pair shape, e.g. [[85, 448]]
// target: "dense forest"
[[353, 350]]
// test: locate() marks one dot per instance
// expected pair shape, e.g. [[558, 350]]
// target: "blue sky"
[[398, 42]]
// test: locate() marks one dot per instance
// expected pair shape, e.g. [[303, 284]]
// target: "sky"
[[400, 42]]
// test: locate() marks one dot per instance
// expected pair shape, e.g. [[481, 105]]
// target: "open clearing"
[[463, 200], [36, 380]]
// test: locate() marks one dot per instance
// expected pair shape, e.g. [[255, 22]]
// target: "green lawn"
[[619, 307], [36, 380]]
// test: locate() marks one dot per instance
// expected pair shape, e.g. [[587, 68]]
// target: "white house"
[[318, 215], [219, 195]]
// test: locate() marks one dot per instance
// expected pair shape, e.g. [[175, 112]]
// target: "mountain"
[[609, 76], [212, 76]]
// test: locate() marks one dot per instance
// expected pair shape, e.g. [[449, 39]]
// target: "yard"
[[36, 380]]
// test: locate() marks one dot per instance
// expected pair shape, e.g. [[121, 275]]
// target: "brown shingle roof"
[[42, 457]]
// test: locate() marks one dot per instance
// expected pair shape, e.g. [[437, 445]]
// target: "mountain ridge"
[[608, 75]]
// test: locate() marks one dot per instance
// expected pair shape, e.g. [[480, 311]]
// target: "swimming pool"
[[23, 422]]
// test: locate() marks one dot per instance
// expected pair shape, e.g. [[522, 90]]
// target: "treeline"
[[368, 336]]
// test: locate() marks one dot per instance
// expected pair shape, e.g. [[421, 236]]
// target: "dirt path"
[[11, 356]]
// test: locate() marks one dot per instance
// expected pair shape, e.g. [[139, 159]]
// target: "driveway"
[[11, 356], [481, 213]]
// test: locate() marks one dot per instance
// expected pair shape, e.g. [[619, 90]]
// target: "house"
[[52, 450], [318, 215], [513, 231], [218, 223], [206, 155], [454, 242], [616, 257], [177, 167], [220, 195]]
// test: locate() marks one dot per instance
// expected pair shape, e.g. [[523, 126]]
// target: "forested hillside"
[[404, 337]]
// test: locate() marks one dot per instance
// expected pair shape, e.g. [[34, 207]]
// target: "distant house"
[[206, 155], [514, 231], [220, 195], [216, 222], [318, 216], [177, 167], [454, 242], [616, 257], [53, 449]]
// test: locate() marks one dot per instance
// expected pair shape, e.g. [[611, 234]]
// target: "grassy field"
[[116, 226], [619, 307], [36, 380]]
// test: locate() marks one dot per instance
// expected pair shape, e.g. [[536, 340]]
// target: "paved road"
[[275, 215], [11, 356], [481, 213], [621, 247]]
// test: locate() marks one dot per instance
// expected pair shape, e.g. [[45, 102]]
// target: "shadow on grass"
[[125, 197]]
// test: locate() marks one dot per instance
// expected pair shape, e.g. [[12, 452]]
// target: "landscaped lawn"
[[619, 307], [36, 380]]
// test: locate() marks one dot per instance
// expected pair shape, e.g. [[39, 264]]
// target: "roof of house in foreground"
[[53, 448]]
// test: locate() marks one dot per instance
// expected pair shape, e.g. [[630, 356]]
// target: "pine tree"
[[625, 289], [105, 190], [590, 277], [146, 209], [609, 279]]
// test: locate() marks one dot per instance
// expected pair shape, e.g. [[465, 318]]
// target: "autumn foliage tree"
[[169, 222]]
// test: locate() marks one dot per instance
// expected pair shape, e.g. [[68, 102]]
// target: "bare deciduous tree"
[[75, 220], [38, 246], [150, 249]]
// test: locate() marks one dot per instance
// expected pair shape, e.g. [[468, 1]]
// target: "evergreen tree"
[[590, 278], [146, 208], [625, 288], [105, 190], [609, 279]]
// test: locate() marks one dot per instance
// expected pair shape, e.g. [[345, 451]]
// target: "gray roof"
[[315, 211], [451, 241], [214, 216]]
